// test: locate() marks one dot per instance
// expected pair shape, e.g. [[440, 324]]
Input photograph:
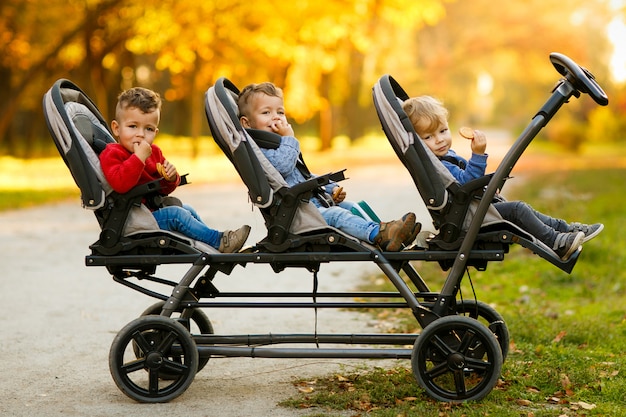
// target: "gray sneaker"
[[590, 230], [567, 243], [233, 240]]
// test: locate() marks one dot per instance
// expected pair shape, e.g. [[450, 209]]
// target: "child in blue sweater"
[[430, 120], [261, 107]]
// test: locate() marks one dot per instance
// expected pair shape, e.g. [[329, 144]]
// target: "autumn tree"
[[326, 55]]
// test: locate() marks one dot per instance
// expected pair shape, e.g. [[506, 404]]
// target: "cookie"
[[467, 132], [161, 170], [336, 192]]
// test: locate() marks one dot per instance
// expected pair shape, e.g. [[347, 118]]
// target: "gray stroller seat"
[[127, 225]]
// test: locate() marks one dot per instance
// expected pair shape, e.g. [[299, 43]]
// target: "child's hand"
[[167, 171], [282, 127], [338, 194], [142, 149], [478, 138]]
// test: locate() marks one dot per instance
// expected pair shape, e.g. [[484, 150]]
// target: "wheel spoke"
[[142, 342], [134, 366], [153, 381], [441, 346], [437, 370], [167, 342], [466, 341], [459, 381], [173, 367], [477, 364]]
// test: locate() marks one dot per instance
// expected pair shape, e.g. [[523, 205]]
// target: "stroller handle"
[[581, 78]]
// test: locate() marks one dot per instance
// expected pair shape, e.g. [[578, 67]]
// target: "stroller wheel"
[[166, 348], [196, 322], [487, 315], [456, 359]]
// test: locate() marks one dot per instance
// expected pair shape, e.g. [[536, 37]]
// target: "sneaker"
[[233, 240], [590, 230], [392, 235], [567, 243]]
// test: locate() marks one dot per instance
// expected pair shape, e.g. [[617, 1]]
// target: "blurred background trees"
[[488, 61]]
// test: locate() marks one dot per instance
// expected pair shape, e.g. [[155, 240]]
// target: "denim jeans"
[[541, 226], [187, 221], [343, 219]]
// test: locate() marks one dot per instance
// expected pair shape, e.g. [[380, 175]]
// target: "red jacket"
[[124, 170]]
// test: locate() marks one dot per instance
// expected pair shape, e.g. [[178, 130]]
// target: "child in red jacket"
[[135, 160]]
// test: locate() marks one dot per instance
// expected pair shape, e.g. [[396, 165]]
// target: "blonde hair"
[[267, 88], [426, 113]]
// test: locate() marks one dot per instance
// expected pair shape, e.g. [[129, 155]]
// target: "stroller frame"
[[455, 358]]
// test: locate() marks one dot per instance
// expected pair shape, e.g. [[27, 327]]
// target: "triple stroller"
[[456, 357]]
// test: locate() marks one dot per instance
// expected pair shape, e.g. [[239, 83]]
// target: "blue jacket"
[[466, 170], [285, 159]]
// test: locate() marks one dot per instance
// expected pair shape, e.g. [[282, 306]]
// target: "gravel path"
[[61, 316]]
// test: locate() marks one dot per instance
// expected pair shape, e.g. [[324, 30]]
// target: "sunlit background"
[[488, 61]]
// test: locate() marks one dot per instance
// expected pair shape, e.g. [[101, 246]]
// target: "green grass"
[[568, 332], [17, 199]]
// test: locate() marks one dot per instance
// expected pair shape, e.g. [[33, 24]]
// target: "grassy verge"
[[568, 332], [17, 199]]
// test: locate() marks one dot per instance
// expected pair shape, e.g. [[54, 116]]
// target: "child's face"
[[438, 140], [134, 126], [264, 112]]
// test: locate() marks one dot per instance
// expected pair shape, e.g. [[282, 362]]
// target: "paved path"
[[60, 316]]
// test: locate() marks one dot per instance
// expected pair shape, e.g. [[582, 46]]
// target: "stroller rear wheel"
[[166, 349], [487, 315], [196, 322], [456, 359]]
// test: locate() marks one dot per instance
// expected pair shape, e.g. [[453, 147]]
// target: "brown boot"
[[393, 234], [416, 229], [233, 240]]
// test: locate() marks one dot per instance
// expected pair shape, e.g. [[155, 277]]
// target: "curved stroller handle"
[[581, 78]]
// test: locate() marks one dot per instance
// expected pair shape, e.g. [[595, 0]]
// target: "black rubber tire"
[[487, 315], [194, 319], [166, 347], [456, 359]]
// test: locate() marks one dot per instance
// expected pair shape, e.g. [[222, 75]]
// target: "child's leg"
[[521, 214], [193, 212], [557, 224], [349, 223], [181, 220]]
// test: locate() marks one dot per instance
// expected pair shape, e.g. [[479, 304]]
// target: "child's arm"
[[122, 171], [168, 171], [477, 164], [478, 139], [475, 168], [285, 157]]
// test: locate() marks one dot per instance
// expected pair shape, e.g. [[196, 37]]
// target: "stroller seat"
[[293, 223], [450, 204], [127, 225]]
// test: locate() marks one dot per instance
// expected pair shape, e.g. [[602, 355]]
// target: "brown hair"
[[250, 90], [426, 113], [138, 97]]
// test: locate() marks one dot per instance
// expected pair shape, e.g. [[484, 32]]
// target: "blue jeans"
[[187, 221], [542, 227], [343, 219]]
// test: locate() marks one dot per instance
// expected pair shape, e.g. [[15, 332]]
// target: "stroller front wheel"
[[456, 359]]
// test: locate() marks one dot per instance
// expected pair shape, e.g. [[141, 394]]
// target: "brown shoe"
[[233, 240], [393, 234], [416, 229]]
